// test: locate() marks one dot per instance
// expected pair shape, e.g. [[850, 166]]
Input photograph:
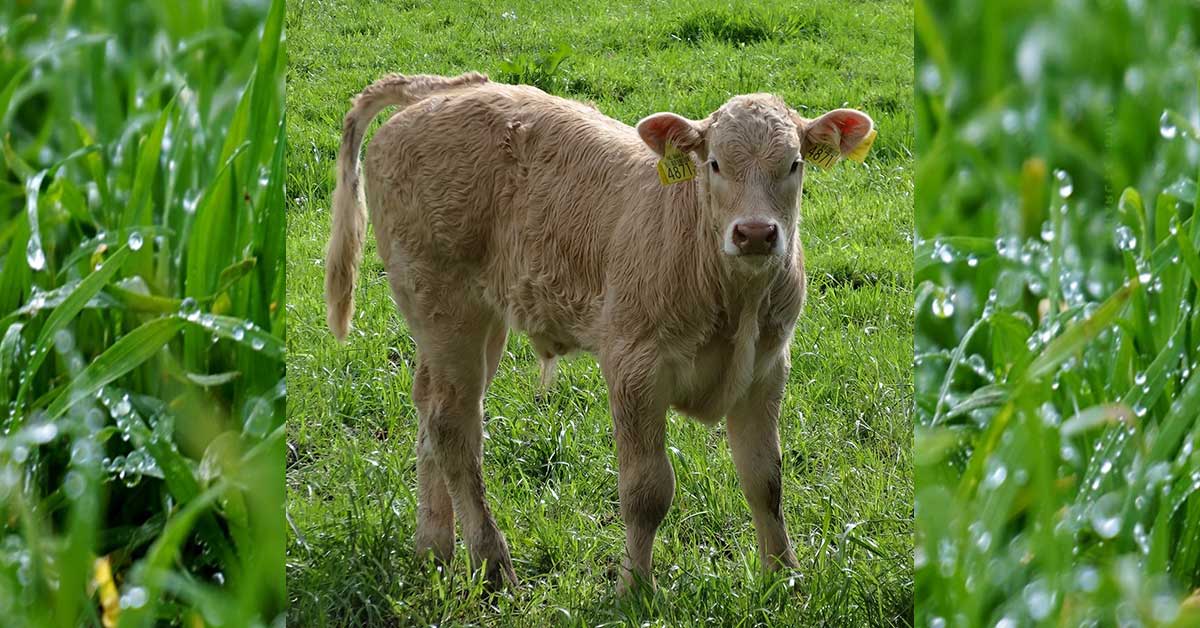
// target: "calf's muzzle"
[[755, 237]]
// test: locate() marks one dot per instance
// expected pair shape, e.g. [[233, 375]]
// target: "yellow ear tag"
[[860, 152], [823, 155], [675, 166]]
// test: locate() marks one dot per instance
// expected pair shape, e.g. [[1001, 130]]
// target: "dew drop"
[[1039, 599], [996, 476], [135, 597], [1106, 516], [1065, 185], [136, 241], [64, 340], [34, 254], [1048, 231], [1126, 241], [1087, 578], [1166, 127], [189, 309], [74, 485]]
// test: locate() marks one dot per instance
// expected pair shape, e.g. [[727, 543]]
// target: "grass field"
[[141, 278], [1057, 330], [549, 461]]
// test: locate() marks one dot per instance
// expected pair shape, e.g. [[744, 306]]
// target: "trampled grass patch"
[[1056, 333], [141, 322], [549, 460]]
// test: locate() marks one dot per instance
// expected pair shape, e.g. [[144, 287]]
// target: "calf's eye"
[[795, 166], [715, 168]]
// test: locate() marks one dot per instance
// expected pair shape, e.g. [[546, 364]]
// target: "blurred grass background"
[[141, 315], [1057, 333], [549, 459]]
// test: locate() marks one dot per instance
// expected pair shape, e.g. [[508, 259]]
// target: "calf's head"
[[751, 153]]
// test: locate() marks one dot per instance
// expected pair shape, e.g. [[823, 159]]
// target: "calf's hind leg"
[[456, 354], [435, 511]]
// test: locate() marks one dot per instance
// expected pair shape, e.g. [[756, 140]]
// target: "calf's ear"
[[841, 130], [658, 129]]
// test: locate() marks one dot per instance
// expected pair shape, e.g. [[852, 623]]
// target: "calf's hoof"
[[491, 552], [786, 560], [630, 584], [499, 575], [438, 546]]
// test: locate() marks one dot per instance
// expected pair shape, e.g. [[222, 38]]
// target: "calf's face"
[[752, 152]]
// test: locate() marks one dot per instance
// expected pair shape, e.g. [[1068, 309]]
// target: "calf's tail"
[[344, 253]]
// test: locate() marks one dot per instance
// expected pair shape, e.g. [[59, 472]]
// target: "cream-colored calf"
[[500, 207]]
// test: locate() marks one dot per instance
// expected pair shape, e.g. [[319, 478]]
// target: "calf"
[[500, 207]]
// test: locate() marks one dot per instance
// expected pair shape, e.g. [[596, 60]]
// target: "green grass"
[[549, 461], [1057, 329], [141, 280]]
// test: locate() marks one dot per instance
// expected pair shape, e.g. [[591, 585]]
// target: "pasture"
[[549, 461]]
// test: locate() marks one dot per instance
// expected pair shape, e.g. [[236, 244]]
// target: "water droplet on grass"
[[189, 309], [1166, 126], [1039, 598], [122, 408], [136, 241], [42, 433], [996, 476], [135, 597], [258, 414], [74, 485], [1165, 608], [1087, 578], [64, 340], [1048, 231], [34, 254], [1106, 516], [1065, 185], [1126, 241], [943, 303], [931, 78]]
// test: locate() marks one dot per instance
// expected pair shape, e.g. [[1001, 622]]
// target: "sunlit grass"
[[141, 318], [549, 460], [1057, 330]]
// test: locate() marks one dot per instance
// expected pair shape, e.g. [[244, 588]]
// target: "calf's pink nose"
[[754, 237]]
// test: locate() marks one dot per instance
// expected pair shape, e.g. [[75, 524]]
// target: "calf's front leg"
[[646, 482], [753, 432]]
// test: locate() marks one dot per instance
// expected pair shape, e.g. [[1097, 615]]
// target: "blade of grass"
[[67, 312], [123, 356]]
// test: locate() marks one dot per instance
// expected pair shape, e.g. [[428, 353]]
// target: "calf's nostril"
[[772, 234], [739, 235]]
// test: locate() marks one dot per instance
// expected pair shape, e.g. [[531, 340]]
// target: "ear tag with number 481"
[[675, 166], [826, 156]]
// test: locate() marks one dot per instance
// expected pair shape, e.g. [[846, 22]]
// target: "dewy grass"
[[549, 459], [141, 315], [1057, 330]]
